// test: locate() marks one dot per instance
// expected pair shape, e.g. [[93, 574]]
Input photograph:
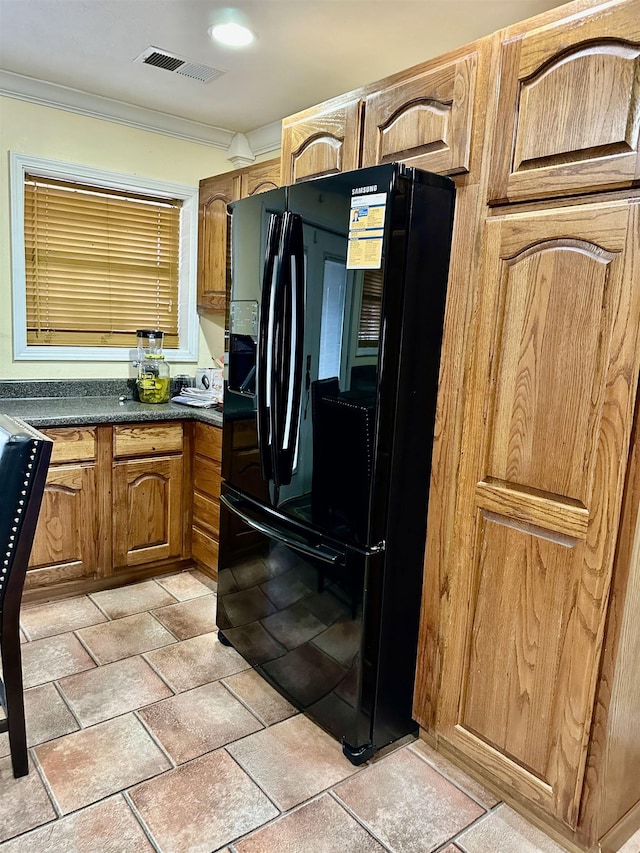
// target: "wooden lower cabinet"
[[65, 546], [147, 510], [205, 531], [148, 499], [116, 508]]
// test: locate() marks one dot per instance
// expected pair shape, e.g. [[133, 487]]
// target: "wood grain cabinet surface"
[[532, 570], [259, 178], [214, 257], [205, 532], [148, 499], [65, 544], [323, 140], [213, 238], [557, 358], [424, 121], [147, 510], [568, 115], [422, 116]]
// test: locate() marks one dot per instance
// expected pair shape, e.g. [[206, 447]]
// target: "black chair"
[[24, 461]]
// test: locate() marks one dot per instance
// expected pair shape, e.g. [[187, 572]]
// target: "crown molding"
[[265, 139], [73, 100]]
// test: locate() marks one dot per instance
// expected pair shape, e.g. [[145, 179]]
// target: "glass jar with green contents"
[[154, 378]]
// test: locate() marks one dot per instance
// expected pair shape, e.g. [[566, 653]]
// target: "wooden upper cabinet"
[[324, 140], [260, 178], [213, 258], [145, 439], [557, 358], [568, 113], [425, 120]]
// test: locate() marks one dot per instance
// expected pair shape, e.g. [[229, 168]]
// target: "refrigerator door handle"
[[294, 302], [264, 390], [320, 552], [275, 346]]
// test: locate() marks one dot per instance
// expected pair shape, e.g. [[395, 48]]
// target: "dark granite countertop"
[[44, 403]]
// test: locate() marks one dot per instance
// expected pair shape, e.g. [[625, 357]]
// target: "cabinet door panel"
[[555, 376], [321, 143], [64, 547], [260, 178], [213, 238], [425, 121], [147, 510], [517, 650], [568, 116]]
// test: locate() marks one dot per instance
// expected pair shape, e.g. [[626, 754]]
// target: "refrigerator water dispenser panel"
[[243, 344]]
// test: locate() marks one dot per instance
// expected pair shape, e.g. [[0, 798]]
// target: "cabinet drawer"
[[72, 444], [142, 440], [204, 549], [209, 441], [206, 513], [206, 476]]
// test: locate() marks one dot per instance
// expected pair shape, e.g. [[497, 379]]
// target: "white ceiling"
[[306, 51]]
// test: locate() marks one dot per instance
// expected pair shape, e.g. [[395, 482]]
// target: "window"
[[96, 256]]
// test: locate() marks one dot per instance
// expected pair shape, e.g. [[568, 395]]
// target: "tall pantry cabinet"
[[523, 609], [527, 670]]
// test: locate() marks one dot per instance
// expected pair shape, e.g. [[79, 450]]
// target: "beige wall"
[[41, 131]]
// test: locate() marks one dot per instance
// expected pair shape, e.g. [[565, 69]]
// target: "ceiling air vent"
[[178, 65]]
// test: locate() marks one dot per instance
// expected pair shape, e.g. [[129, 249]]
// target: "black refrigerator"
[[334, 338]]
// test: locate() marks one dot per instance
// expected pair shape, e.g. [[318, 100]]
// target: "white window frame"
[[19, 165]]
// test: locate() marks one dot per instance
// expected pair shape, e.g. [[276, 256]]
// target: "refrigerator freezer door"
[[299, 540], [319, 348], [292, 606]]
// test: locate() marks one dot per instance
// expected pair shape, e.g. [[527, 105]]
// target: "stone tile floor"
[[146, 734]]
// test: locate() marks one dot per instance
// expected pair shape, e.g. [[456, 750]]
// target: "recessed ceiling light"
[[232, 34]]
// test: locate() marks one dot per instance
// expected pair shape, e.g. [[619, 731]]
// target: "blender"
[[153, 371]]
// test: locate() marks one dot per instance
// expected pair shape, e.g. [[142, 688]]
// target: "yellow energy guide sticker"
[[366, 222]]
